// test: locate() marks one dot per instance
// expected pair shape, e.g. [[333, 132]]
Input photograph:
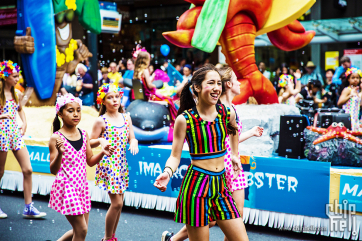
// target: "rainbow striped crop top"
[[206, 139]]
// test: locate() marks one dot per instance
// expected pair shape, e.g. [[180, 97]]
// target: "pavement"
[[134, 224]]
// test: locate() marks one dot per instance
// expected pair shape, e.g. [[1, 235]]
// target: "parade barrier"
[[288, 194]]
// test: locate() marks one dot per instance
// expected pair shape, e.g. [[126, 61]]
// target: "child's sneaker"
[[166, 236], [2, 214], [31, 212]]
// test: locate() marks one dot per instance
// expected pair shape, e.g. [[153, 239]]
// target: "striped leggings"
[[203, 198]]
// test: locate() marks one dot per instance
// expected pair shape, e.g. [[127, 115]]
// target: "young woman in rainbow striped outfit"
[[204, 196]]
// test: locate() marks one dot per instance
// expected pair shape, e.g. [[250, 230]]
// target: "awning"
[[327, 31]]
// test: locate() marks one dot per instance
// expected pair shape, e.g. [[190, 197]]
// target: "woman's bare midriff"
[[213, 165]]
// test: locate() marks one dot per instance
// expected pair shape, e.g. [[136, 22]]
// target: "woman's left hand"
[[133, 147], [236, 166], [23, 129], [257, 131]]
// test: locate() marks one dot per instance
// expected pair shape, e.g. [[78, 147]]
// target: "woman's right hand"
[[162, 181], [60, 145], [5, 116]]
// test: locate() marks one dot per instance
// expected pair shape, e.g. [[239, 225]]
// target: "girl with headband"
[[114, 128], [70, 152], [350, 98], [11, 135]]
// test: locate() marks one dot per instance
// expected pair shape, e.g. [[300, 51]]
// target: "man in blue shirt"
[[345, 64], [311, 74]]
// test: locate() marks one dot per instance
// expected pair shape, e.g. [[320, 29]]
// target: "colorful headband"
[[138, 50], [284, 79], [350, 71], [7, 68], [65, 99], [105, 89]]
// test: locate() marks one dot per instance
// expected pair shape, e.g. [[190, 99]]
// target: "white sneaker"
[[2, 214]]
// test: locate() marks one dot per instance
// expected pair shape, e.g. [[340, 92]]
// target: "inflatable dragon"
[[235, 24]]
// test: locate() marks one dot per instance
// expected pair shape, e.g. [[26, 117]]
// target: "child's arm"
[[255, 131], [234, 144], [23, 119], [56, 149], [133, 142], [148, 79], [179, 134], [97, 130], [345, 96], [94, 159]]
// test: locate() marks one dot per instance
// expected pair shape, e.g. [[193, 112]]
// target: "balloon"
[[165, 50]]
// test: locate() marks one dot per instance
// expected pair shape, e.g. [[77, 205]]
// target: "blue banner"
[[275, 183], [288, 185], [350, 189], [39, 158]]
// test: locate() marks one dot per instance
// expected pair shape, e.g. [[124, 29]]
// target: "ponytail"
[[56, 121], [186, 99], [56, 124]]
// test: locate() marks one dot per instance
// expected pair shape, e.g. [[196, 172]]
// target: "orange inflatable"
[[244, 21]]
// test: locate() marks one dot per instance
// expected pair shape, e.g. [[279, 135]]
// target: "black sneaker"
[[166, 236]]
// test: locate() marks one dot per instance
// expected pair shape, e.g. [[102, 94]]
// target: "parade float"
[[291, 194]]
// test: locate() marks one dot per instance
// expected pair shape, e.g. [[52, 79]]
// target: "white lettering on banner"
[[36, 156], [152, 169], [352, 190], [270, 176], [258, 177], [281, 180]]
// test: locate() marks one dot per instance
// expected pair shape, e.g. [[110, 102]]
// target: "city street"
[[134, 225]]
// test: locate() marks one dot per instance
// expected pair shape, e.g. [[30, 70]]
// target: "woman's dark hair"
[[187, 100], [56, 122], [314, 83], [332, 70], [103, 109]]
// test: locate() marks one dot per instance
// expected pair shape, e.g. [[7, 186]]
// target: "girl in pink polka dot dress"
[[236, 184], [70, 152], [115, 128]]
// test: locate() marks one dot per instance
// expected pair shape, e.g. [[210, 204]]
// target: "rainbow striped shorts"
[[204, 198]]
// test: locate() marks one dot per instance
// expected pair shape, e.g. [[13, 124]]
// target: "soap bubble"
[[53, 221], [290, 128], [31, 221], [287, 122], [294, 135]]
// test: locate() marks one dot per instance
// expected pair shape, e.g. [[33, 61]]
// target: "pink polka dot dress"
[[10, 137], [70, 192], [240, 182]]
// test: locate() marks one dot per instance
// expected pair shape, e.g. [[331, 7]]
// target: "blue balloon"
[[165, 50]]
